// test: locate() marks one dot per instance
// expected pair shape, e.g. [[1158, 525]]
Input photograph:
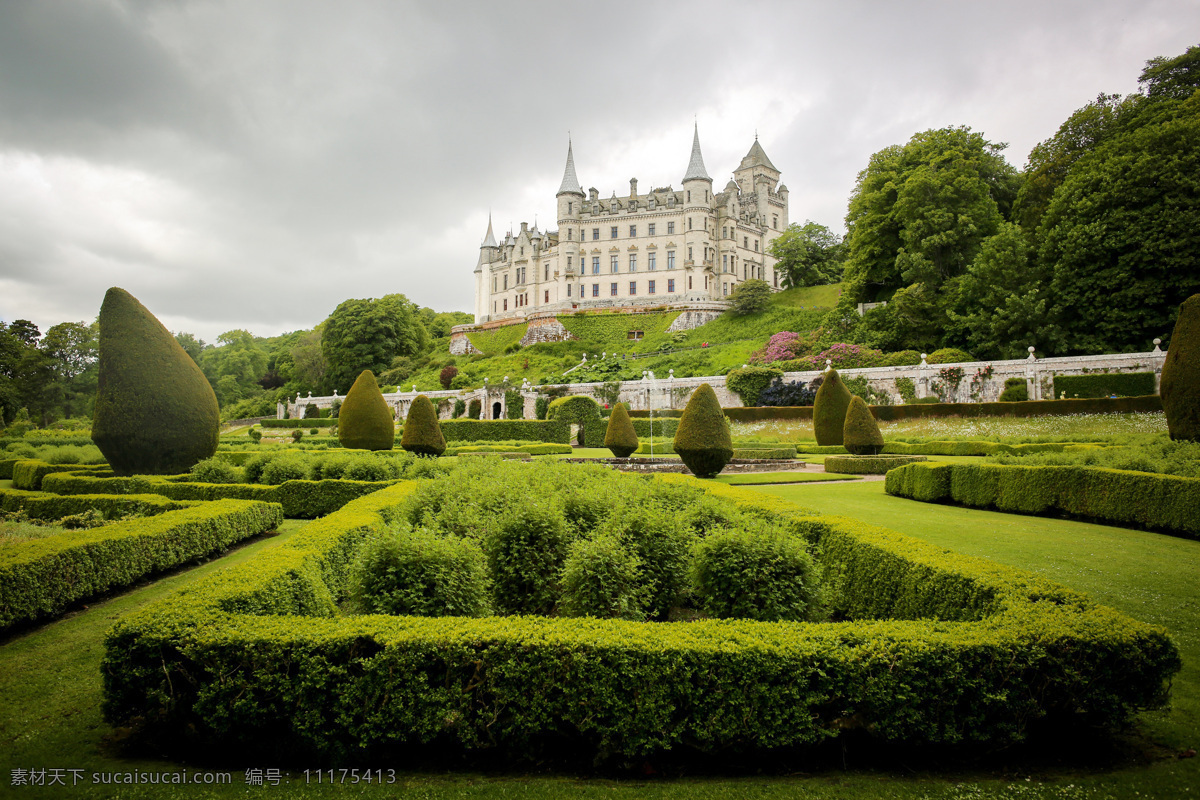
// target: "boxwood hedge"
[[937, 647], [49, 506], [42, 577], [500, 430], [1140, 499], [1105, 384], [867, 465]]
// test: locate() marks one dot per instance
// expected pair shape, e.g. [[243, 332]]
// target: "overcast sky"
[[251, 165]]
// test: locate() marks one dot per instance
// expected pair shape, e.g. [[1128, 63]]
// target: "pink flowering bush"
[[780, 347], [843, 356]]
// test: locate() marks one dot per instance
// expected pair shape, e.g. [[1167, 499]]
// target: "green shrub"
[[702, 440], [297, 435], [755, 574], [367, 468], [902, 358], [156, 413], [749, 382], [907, 389], [860, 433], [931, 400], [829, 409], [514, 405], [525, 558], [474, 409], [365, 421], [460, 408], [1181, 374], [660, 540], [422, 432], [541, 406], [284, 468], [255, 435], [311, 411], [416, 572], [948, 355], [1157, 502], [1015, 390], [576, 409], [299, 423], [1104, 384], [601, 578], [867, 464], [619, 435], [500, 430], [215, 470]]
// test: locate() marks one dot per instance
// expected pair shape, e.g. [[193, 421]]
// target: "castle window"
[[725, 262], [595, 233], [613, 235], [743, 271], [689, 195], [670, 286], [724, 233], [570, 236], [612, 290], [568, 290], [493, 307], [690, 254], [493, 284], [595, 265], [725, 290], [689, 223], [633, 231], [595, 290], [746, 242], [506, 285], [522, 251], [670, 227], [633, 262], [650, 229], [756, 245], [615, 264], [632, 288], [547, 300], [568, 262], [650, 288], [689, 282], [570, 207], [650, 259], [775, 222], [670, 259], [506, 305], [547, 273]]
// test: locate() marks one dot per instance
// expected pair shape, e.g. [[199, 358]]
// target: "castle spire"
[[696, 170], [570, 183], [490, 239]]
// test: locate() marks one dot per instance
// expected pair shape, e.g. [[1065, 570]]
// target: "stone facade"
[[666, 246]]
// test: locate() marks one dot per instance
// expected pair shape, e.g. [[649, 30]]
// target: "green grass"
[[24, 531], [50, 689], [809, 296], [495, 340]]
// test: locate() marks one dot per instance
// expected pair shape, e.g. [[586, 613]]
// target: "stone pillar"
[[1032, 378], [923, 378], [1158, 358]]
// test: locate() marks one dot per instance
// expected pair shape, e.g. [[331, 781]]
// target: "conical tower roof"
[[570, 183], [490, 239], [696, 170], [757, 157]]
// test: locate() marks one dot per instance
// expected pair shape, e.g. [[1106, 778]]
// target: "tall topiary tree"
[[620, 437], [156, 414], [829, 409], [860, 432], [702, 439], [365, 421], [1180, 388], [422, 431]]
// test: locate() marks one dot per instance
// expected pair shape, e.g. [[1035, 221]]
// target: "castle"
[[685, 248]]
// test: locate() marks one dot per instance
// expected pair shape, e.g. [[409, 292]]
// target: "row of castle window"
[[651, 288], [728, 264]]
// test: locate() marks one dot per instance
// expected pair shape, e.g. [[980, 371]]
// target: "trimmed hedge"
[[1102, 384], [1028, 408], [665, 429], [1136, 499], [500, 430], [529, 449], [954, 448], [27, 474], [299, 423], [43, 577], [867, 465], [229, 663], [49, 506], [300, 499], [750, 454]]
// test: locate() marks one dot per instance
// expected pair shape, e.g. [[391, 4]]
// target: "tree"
[[367, 334], [620, 437], [422, 432], [1121, 236], [829, 409], [191, 345], [235, 365], [365, 419], [809, 255], [155, 411], [1172, 78], [1181, 375], [750, 297], [860, 432], [308, 366]]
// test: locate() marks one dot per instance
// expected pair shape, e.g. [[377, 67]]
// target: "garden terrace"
[[935, 648]]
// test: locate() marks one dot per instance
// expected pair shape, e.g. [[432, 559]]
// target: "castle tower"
[[489, 251], [697, 208], [757, 176], [570, 208]]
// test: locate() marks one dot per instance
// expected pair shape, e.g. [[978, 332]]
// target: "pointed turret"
[[757, 157], [490, 239], [570, 183], [695, 169]]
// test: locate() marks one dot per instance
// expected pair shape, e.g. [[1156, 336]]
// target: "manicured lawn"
[[50, 688]]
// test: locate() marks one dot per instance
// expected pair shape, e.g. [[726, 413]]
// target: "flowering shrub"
[[780, 347], [843, 356]]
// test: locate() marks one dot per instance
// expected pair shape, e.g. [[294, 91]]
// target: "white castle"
[[685, 248]]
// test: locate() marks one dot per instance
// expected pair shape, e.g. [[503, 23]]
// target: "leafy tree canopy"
[[750, 297], [809, 255], [367, 334]]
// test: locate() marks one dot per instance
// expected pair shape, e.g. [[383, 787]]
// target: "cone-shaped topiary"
[[702, 439], [860, 433], [365, 421], [156, 414], [1180, 390], [829, 409], [620, 437], [422, 432]]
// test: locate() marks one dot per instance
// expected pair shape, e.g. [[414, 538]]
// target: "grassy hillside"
[[730, 341]]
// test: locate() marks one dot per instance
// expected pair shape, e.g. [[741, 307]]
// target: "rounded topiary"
[[601, 578], [1015, 391], [365, 420], [1180, 389], [214, 470], [422, 431], [702, 439], [829, 409], [949, 355], [155, 411], [860, 432], [419, 573], [620, 437]]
